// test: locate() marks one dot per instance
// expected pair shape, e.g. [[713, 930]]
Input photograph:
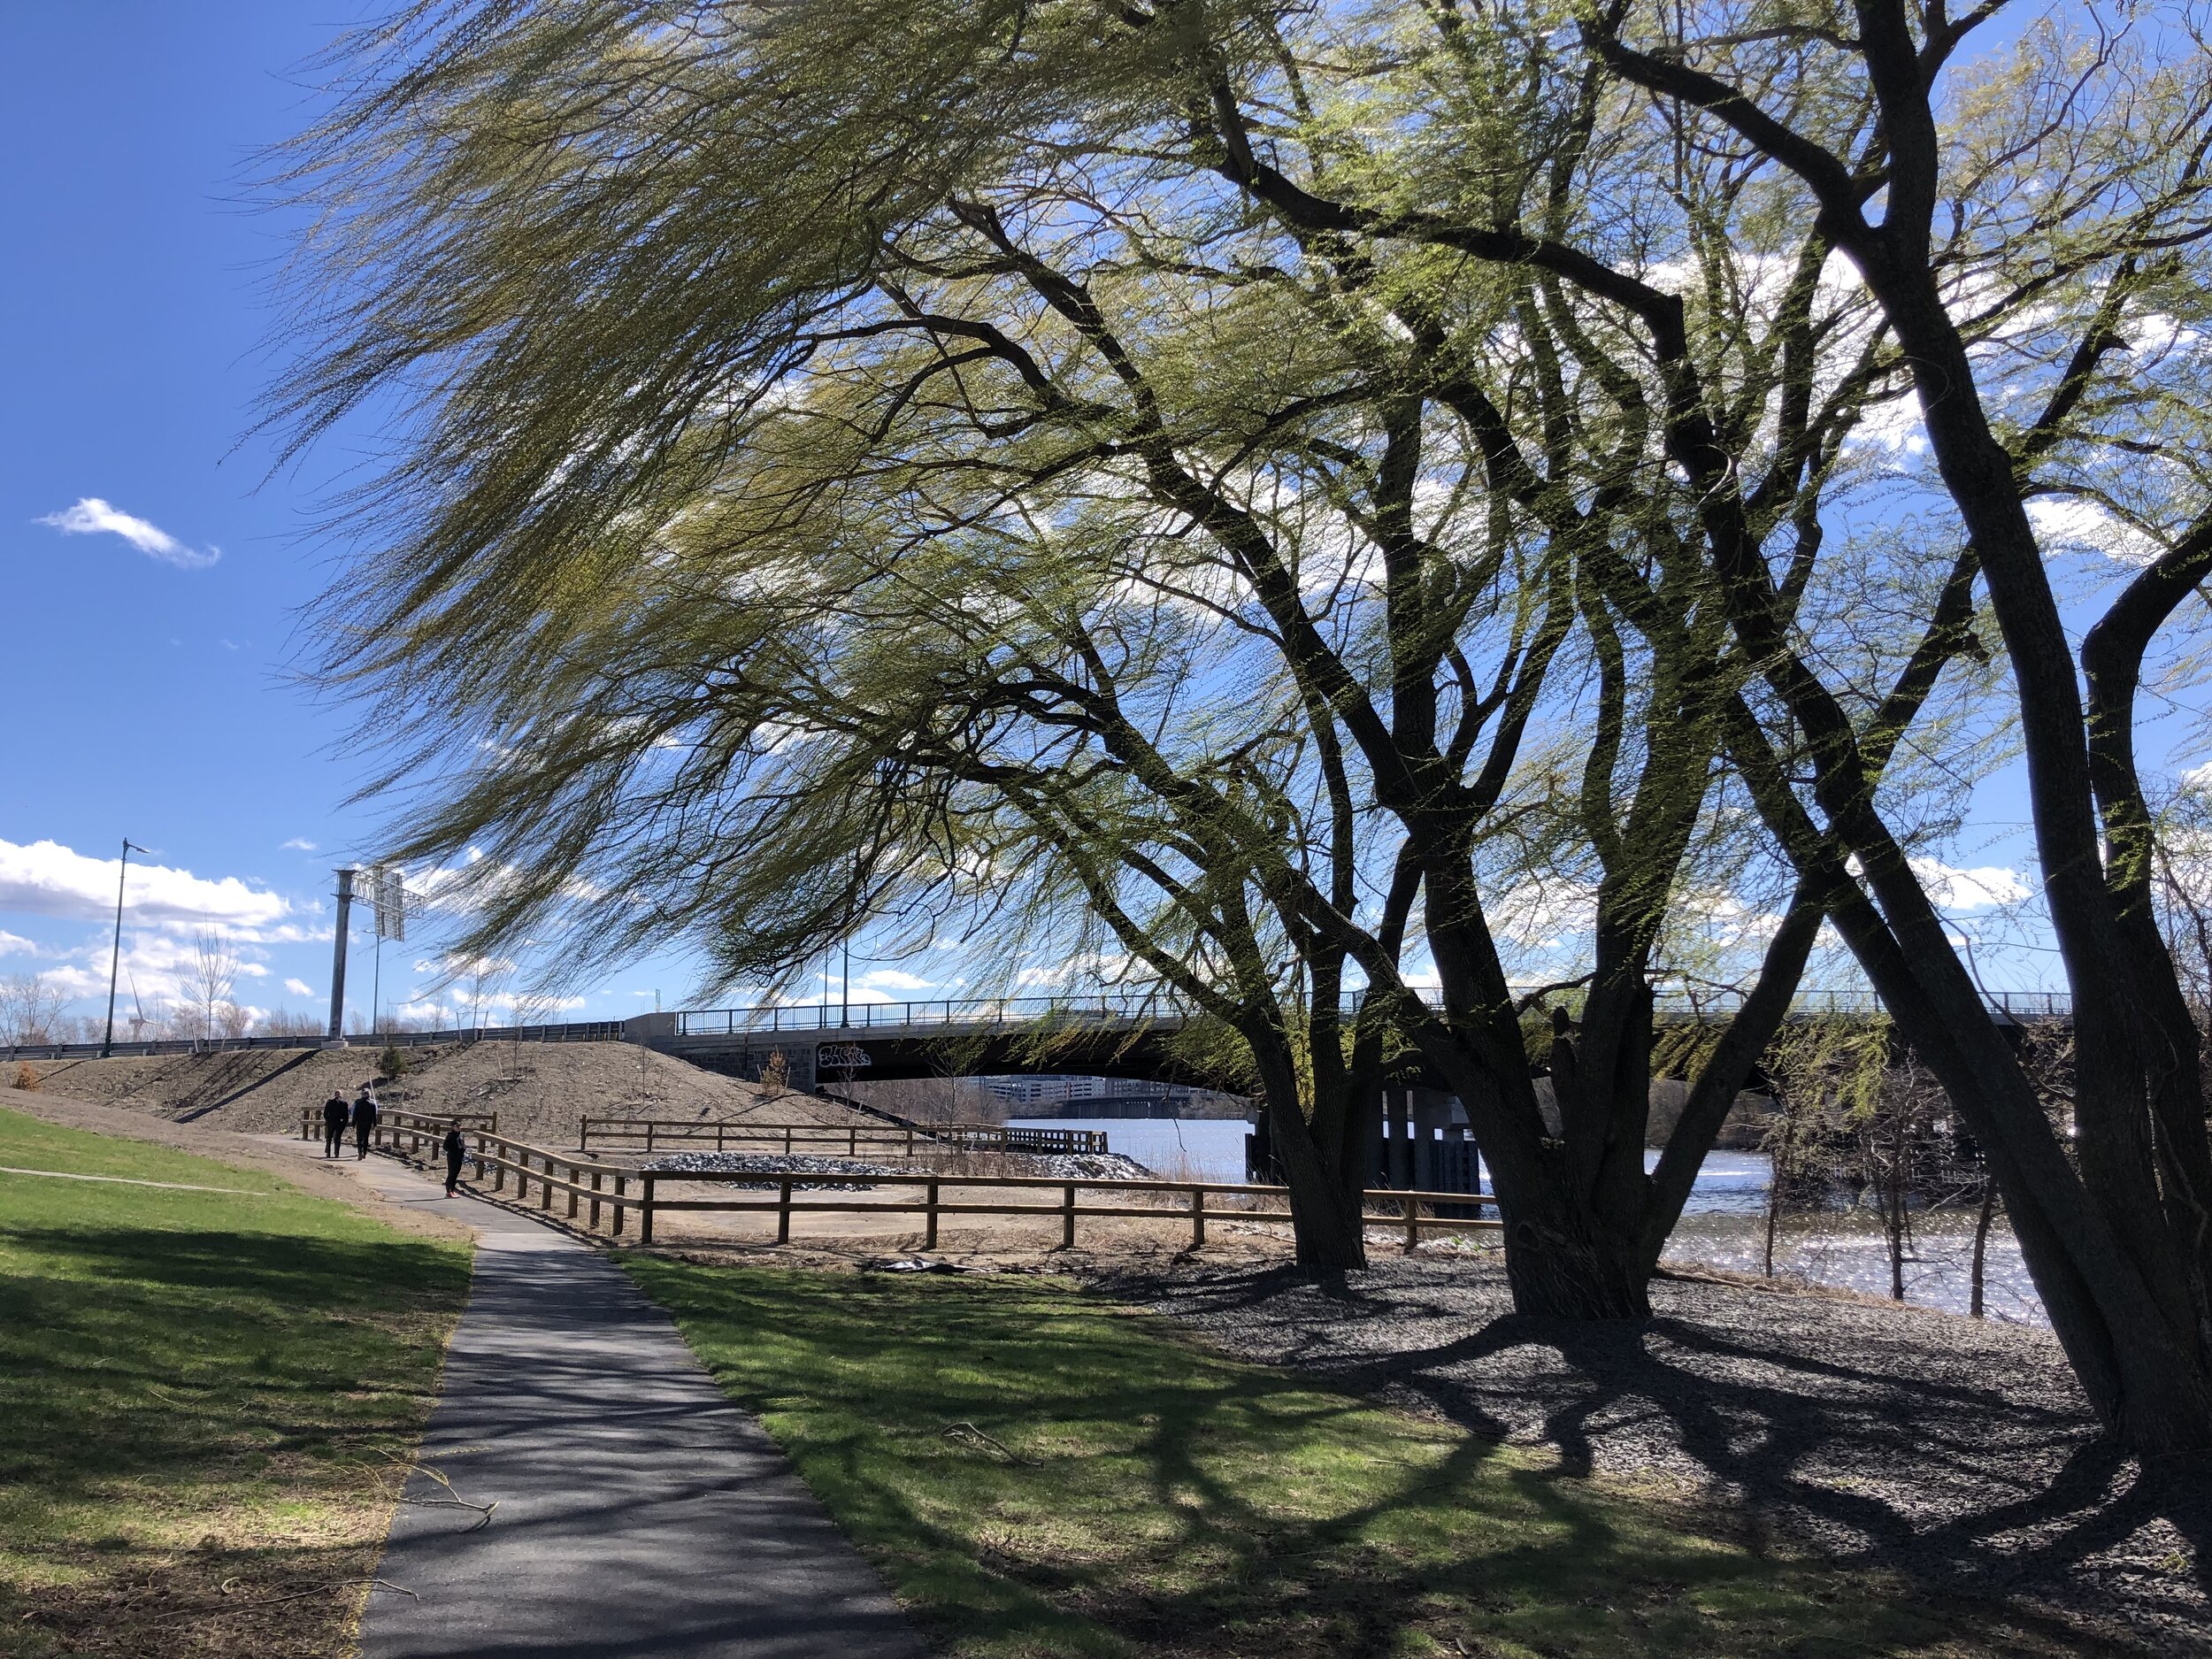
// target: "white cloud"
[[11, 944], [1950, 888], [894, 980], [94, 516], [299, 987], [2066, 525], [299, 844], [47, 878]]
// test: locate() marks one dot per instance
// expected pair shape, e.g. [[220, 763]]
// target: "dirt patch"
[[540, 1091]]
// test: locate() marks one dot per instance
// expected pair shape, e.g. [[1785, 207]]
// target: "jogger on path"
[[455, 1148]]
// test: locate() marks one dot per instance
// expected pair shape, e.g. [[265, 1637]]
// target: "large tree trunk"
[[1564, 1262], [1323, 1164]]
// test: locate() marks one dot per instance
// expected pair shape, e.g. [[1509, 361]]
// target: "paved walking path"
[[639, 1513]]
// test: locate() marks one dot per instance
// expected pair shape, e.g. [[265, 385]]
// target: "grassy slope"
[[200, 1394], [1147, 1497]]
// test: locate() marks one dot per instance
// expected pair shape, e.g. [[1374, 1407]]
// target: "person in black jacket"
[[363, 1122], [334, 1118], [454, 1149]]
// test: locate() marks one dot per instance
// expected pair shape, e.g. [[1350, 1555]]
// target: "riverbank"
[[1955, 1451]]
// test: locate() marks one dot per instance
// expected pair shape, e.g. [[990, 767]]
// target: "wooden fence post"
[[1413, 1226], [649, 1134], [597, 1178], [620, 1181], [1197, 1217], [545, 1185], [480, 1155], [574, 1177], [499, 1171], [783, 1212], [929, 1233], [1067, 1218], [645, 1211]]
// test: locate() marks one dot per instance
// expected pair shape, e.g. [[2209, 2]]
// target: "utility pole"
[[115, 956], [337, 1038]]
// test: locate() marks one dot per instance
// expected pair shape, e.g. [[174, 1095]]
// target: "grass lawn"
[[201, 1394], [1038, 1473]]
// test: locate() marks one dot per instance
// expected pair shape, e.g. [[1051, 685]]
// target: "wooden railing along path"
[[1187, 1200], [883, 1139], [417, 1136]]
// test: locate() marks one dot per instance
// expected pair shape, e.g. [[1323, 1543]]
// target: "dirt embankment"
[[539, 1090]]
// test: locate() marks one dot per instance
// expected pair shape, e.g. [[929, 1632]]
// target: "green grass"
[[201, 1394], [1153, 1497]]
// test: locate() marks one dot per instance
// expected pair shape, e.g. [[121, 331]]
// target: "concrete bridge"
[[1108, 1035]]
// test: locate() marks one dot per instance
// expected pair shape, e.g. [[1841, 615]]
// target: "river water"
[[1723, 1224]]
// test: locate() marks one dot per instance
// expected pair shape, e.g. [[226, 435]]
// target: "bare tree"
[[206, 981], [30, 1010]]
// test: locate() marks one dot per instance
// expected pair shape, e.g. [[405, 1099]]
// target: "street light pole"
[[115, 956]]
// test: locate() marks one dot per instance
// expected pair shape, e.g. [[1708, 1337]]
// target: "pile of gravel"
[[1081, 1166], [774, 1163], [1959, 1451], [1085, 1166]]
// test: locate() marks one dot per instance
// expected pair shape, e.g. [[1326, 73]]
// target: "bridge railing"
[[1109, 1008], [878, 1139], [772, 1019]]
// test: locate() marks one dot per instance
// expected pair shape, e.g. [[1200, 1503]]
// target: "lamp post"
[[115, 956]]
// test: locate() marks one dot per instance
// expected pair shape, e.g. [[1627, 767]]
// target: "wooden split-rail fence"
[[616, 1192], [877, 1139]]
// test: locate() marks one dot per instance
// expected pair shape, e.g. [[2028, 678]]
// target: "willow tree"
[[2022, 228], [869, 467]]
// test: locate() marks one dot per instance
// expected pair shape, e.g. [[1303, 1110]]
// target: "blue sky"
[[147, 678], [153, 569]]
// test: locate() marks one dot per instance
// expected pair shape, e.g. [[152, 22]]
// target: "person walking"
[[454, 1149], [335, 1116], [363, 1122]]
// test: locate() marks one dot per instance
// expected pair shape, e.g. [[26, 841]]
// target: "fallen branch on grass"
[[217, 1608], [968, 1431]]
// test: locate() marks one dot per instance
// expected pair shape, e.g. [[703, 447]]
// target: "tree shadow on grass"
[[146, 1352], [1865, 1440], [1126, 1487]]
